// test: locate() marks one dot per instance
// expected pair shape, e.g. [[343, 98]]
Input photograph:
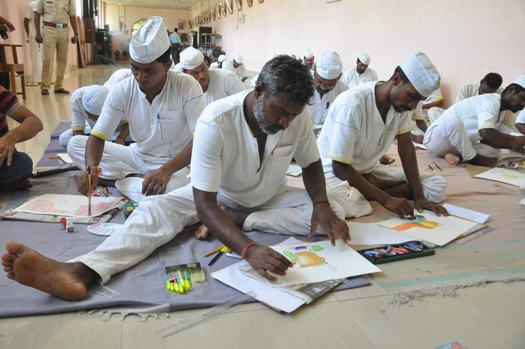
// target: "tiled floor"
[[480, 317]]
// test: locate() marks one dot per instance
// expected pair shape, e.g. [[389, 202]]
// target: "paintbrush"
[[89, 190]]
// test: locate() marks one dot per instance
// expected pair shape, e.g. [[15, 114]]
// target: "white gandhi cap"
[[149, 42], [421, 73], [521, 81], [191, 58], [93, 98], [364, 58], [222, 58], [238, 58], [308, 54], [329, 66]]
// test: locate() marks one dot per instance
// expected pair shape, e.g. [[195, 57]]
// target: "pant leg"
[[287, 213], [64, 138], [434, 185], [156, 221], [62, 51], [20, 169], [50, 42], [35, 50], [449, 136], [351, 200]]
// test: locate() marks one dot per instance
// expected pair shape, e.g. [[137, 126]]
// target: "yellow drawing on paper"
[[419, 222], [308, 258]]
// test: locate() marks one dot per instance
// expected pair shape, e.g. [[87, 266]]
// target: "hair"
[[493, 80], [401, 74], [207, 59], [165, 57], [518, 88], [176, 29], [286, 74]]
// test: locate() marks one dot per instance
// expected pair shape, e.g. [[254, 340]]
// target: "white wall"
[[464, 39]]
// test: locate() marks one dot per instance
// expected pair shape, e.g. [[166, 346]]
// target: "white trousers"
[[354, 203], [36, 52], [158, 219], [450, 136], [119, 161]]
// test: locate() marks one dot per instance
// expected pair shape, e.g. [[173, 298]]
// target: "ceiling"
[[171, 4]]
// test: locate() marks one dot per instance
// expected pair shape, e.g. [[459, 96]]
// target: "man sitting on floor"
[[236, 184], [361, 125], [86, 105], [489, 84], [467, 132], [15, 167], [162, 108], [215, 83]]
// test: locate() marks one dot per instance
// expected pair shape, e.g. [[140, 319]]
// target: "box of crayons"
[[180, 278], [129, 207], [398, 252]]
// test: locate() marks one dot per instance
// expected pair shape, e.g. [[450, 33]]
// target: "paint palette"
[[104, 229]]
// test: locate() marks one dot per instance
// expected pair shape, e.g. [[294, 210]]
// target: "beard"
[[260, 115]]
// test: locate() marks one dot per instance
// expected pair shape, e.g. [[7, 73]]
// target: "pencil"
[[89, 190], [439, 168], [432, 169], [214, 251]]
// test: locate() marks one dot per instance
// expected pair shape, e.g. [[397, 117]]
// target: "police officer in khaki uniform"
[[55, 36]]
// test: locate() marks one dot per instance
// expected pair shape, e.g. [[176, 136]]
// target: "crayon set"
[[392, 253]]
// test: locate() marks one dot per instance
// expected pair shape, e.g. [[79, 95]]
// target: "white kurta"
[[222, 83], [318, 106], [354, 133], [225, 159], [35, 49], [352, 78], [456, 131], [160, 130]]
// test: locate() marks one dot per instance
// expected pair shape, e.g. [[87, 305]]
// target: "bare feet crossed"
[[237, 218]]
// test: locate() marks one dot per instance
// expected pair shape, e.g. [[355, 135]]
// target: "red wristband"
[[516, 140], [246, 248]]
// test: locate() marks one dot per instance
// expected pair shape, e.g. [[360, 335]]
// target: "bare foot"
[[236, 217], [386, 160], [68, 281], [484, 161], [452, 159]]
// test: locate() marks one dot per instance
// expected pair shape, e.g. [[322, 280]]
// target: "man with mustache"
[[467, 131], [360, 127], [242, 148], [161, 107]]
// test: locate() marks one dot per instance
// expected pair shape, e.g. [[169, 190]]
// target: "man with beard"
[[360, 73], [466, 132], [215, 83], [327, 85], [361, 125], [161, 107], [243, 146]]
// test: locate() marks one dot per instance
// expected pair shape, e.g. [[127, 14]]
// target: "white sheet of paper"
[[375, 234], [419, 146], [503, 175], [68, 205], [65, 157], [325, 262], [294, 170], [274, 297], [441, 230], [467, 214]]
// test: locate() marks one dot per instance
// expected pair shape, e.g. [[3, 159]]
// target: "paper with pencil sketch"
[[68, 205], [428, 226], [320, 261], [374, 234]]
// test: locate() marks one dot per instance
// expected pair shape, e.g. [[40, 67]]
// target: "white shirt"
[[521, 117], [225, 155], [222, 83], [29, 15], [319, 105], [477, 113], [352, 78], [79, 117], [470, 89], [354, 132], [117, 77], [436, 96], [160, 129], [228, 64]]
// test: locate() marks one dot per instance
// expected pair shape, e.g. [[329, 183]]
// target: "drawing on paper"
[[308, 258], [419, 222]]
